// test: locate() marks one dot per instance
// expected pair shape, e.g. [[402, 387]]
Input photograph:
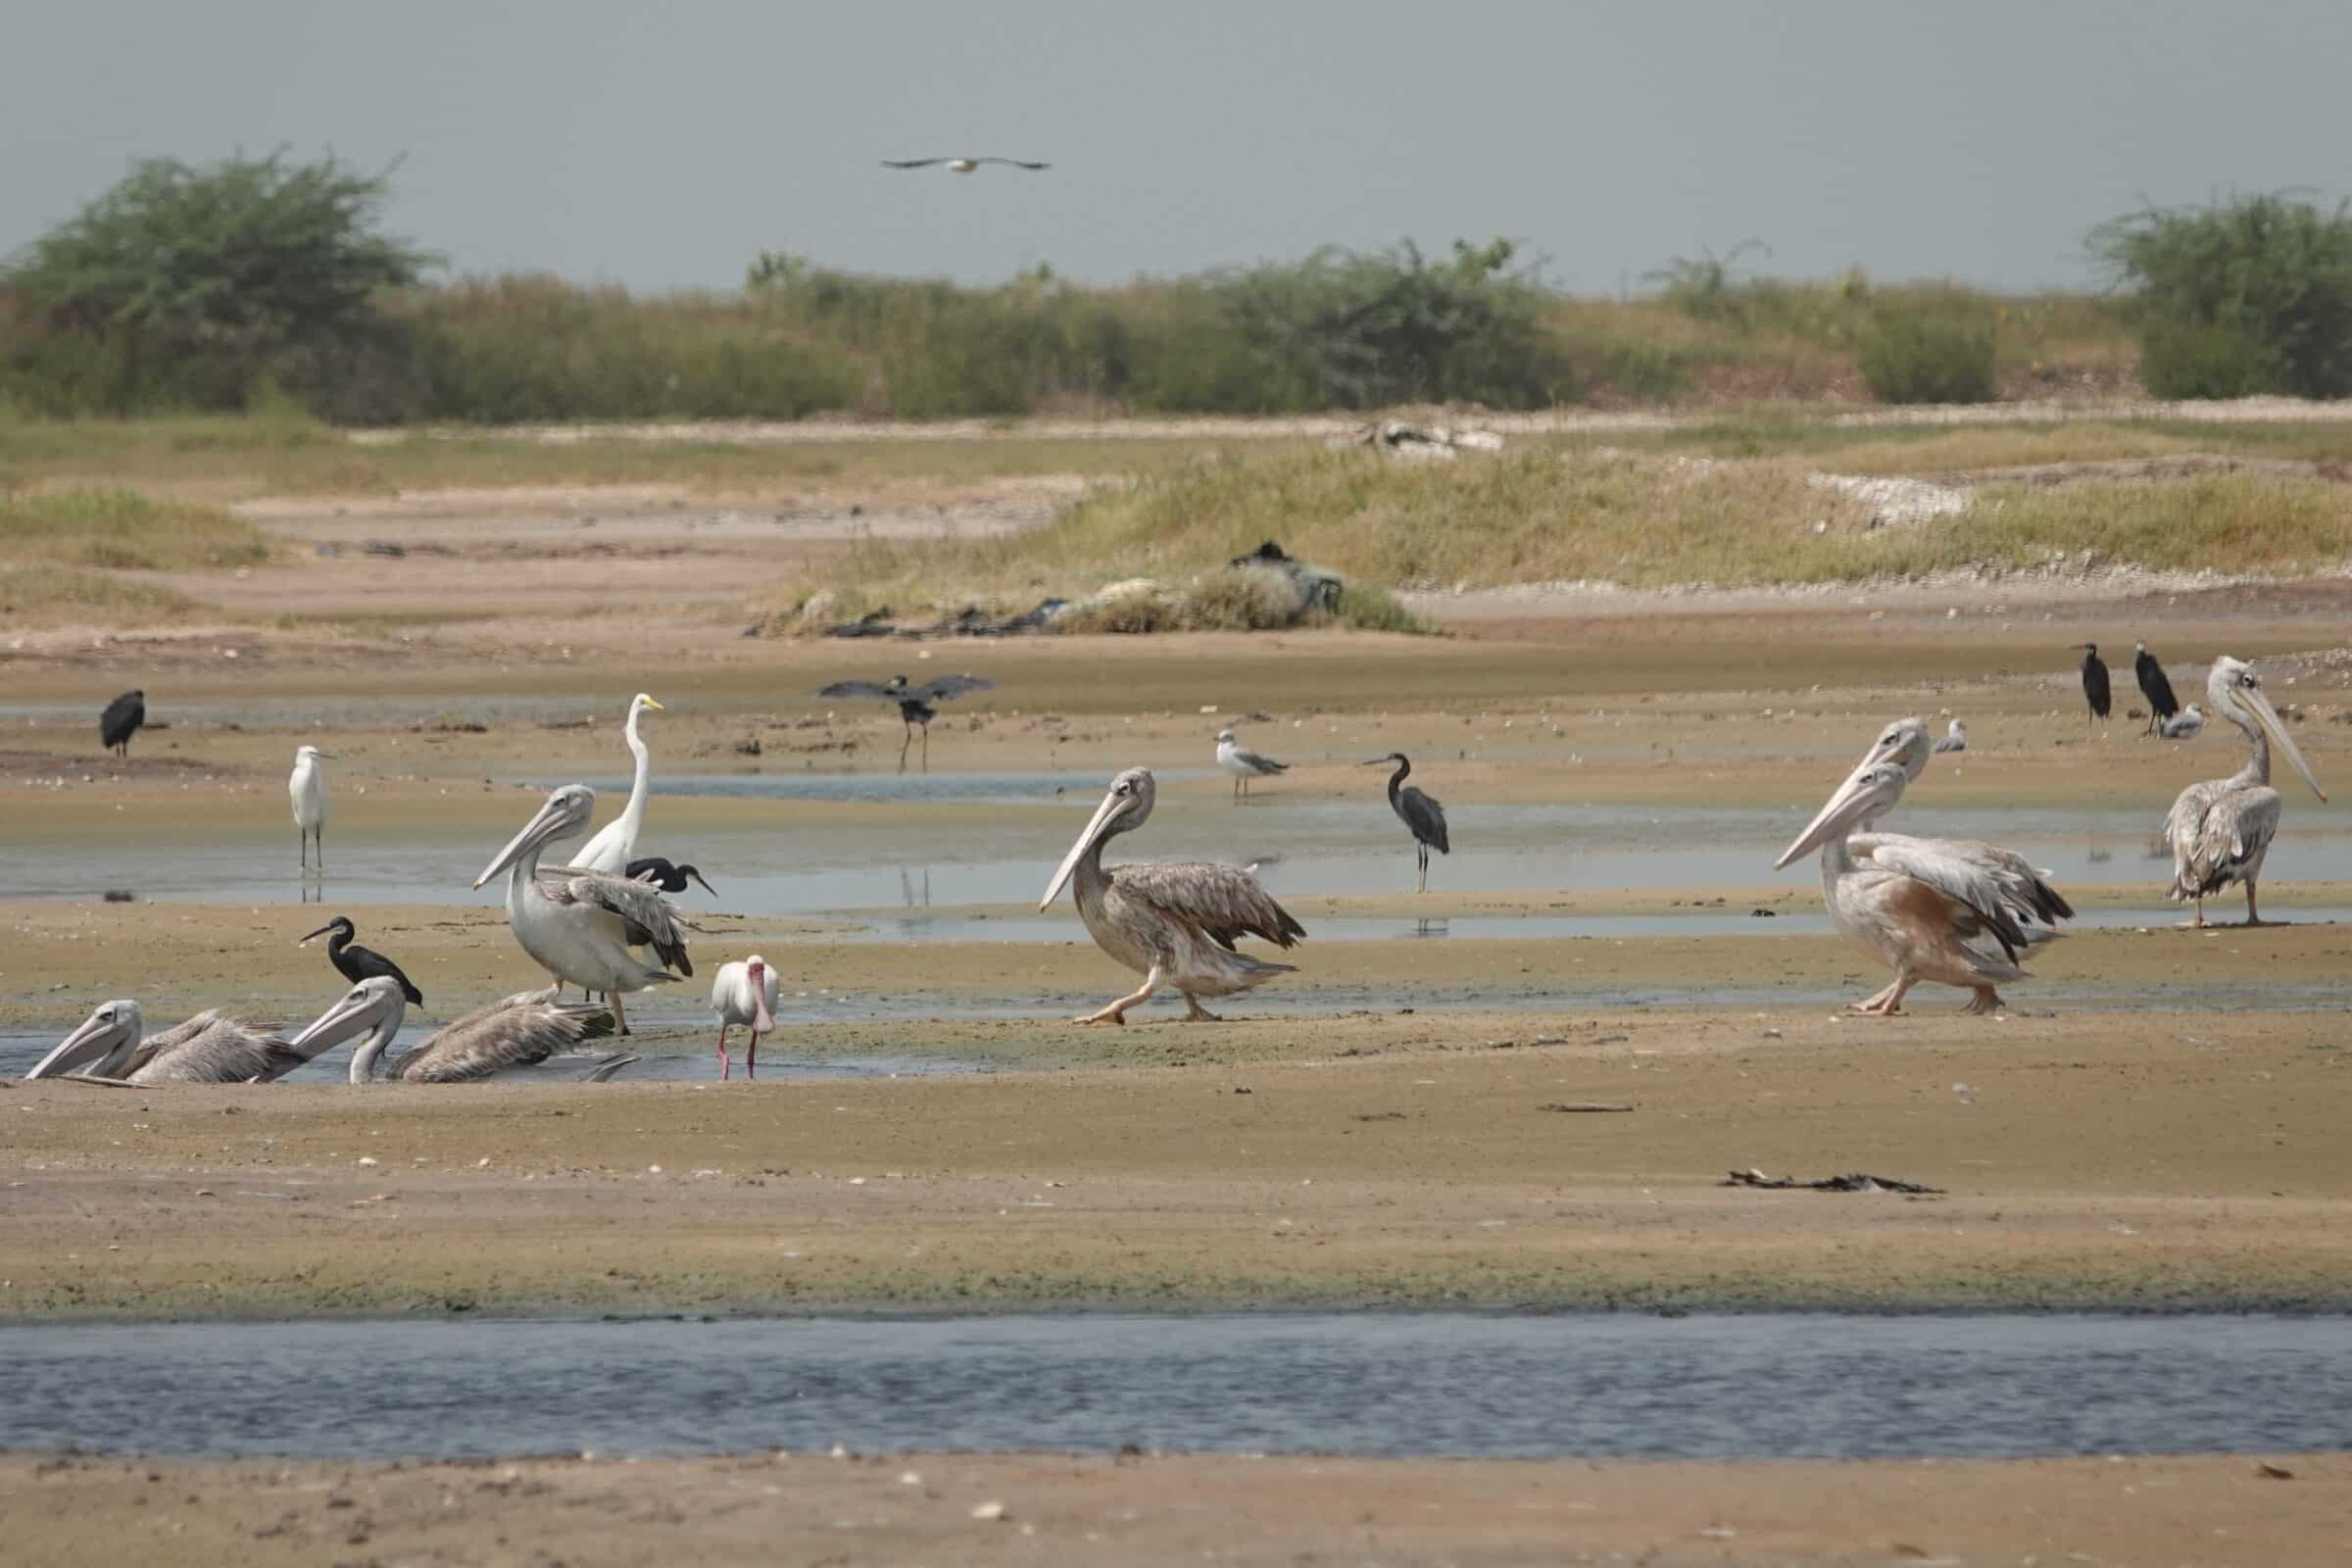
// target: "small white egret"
[[306, 786]]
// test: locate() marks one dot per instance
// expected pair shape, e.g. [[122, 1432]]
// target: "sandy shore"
[[2273, 1512]]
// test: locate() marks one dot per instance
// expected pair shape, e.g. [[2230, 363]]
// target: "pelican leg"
[[1874, 1001], [725, 1066], [1886, 1004], [2254, 915], [1116, 1012], [2197, 922], [620, 1019], [1196, 1013], [1986, 1000]]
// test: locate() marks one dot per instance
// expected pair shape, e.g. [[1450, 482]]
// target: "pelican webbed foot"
[[1986, 1000], [1196, 1013]]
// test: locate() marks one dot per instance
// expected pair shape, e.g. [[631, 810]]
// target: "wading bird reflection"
[[2220, 831], [1174, 922]]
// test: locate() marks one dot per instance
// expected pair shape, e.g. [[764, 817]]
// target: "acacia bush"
[[2249, 295], [1917, 357]]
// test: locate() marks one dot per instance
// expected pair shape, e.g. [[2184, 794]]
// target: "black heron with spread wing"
[[918, 704]]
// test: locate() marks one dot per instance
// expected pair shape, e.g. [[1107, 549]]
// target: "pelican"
[[1244, 764], [581, 924], [356, 964], [122, 720], [2025, 892], [918, 704], [307, 785], [1174, 922], [1421, 813], [744, 994], [1922, 912], [1955, 738], [208, 1048], [517, 1031], [2095, 688], [961, 166], [2183, 725], [2220, 831], [2162, 704], [616, 841]]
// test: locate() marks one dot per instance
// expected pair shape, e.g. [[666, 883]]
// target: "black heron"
[[2162, 704], [1418, 811], [663, 874], [918, 704], [357, 963], [2096, 689], [122, 720]]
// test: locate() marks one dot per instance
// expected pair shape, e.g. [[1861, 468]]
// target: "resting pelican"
[[1955, 739], [307, 785], [1244, 764], [613, 845], [1420, 813], [2183, 725], [517, 1031], [209, 1049], [1920, 911], [1175, 923], [2025, 892], [581, 924], [744, 994], [2220, 831]]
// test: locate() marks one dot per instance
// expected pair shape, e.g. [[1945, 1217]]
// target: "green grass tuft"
[[125, 530]]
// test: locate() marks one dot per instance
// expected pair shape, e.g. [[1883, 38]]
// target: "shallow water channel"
[[1425, 1383]]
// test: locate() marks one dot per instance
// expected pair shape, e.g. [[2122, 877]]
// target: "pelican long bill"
[[92, 1040], [541, 827], [1864, 793], [1112, 805], [2259, 705], [356, 1010]]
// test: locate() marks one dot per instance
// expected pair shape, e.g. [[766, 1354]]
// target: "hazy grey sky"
[[664, 145]]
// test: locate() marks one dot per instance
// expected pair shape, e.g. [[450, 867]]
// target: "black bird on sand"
[[1419, 812], [670, 878], [2095, 689], [2162, 704], [357, 963], [918, 704], [122, 720]]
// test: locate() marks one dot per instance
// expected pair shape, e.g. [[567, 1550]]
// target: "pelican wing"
[[517, 1031], [2021, 887], [1223, 900], [2216, 832], [946, 686], [647, 918], [226, 1050], [859, 688], [1974, 891]]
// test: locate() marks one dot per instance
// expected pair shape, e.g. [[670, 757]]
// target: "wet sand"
[[2280, 1511]]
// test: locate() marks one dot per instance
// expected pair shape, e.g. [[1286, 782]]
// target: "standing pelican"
[[1955, 739], [2025, 892], [2183, 725], [2220, 831], [208, 1048], [918, 704], [356, 964], [122, 720], [2162, 704], [744, 996], [307, 785], [1175, 923], [517, 1031], [1421, 813], [1924, 912], [581, 924], [1244, 764], [617, 842], [2095, 688]]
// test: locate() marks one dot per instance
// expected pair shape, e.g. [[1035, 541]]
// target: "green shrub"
[[2251, 295], [1919, 357]]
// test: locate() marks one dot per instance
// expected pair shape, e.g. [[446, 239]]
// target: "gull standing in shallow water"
[[1927, 914], [1244, 764], [208, 1048], [2220, 831], [615, 844], [517, 1031], [1175, 923], [581, 924], [306, 786]]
